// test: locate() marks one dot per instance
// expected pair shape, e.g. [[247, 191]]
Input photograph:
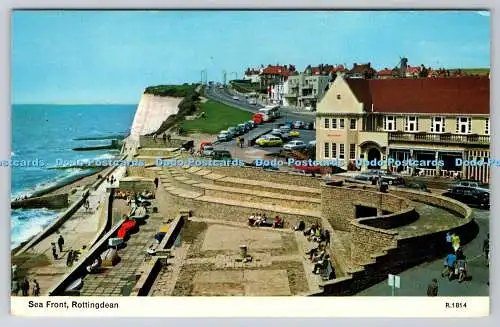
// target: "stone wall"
[[175, 142], [52, 201], [140, 172], [367, 241], [340, 216], [78, 270], [205, 209], [396, 254], [136, 184], [261, 174]]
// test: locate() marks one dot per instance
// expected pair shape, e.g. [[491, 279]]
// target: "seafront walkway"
[[79, 230], [121, 278]]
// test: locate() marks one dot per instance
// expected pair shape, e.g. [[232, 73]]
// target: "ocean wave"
[[27, 223], [65, 174]]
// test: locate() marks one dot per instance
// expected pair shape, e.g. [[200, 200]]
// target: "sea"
[[49, 133]]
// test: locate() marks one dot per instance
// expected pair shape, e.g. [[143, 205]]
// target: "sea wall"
[[78, 270], [52, 201], [151, 112], [52, 228]]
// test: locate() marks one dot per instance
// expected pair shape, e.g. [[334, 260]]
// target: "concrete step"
[[243, 194], [294, 190], [243, 209]]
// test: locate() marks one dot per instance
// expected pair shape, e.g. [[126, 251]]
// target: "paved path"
[[121, 278], [414, 281], [79, 230]]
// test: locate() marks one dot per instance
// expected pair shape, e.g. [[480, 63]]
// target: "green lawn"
[[218, 116], [179, 91]]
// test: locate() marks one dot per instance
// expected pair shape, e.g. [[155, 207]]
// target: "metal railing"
[[439, 138]]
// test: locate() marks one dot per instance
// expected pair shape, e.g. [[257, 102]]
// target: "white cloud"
[[483, 13]]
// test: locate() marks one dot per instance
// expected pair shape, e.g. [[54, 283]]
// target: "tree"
[[424, 72]]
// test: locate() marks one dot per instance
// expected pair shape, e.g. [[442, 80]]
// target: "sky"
[[66, 57]]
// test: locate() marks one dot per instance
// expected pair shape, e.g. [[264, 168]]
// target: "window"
[[411, 124], [327, 122], [334, 123], [352, 151], [389, 123], [464, 125], [327, 150], [352, 124], [341, 123], [341, 151], [334, 150], [487, 126], [437, 125], [338, 97]]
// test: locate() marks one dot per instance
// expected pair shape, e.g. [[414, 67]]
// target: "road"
[[225, 96], [414, 281]]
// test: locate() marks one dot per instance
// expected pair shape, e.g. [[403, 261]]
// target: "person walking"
[[168, 138], [242, 142], [15, 287], [165, 138], [36, 288], [486, 249], [327, 237], [156, 181], [54, 250], [432, 289], [455, 241], [449, 247], [69, 259], [60, 242], [25, 286]]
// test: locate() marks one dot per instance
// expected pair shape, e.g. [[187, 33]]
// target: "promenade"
[[81, 229]]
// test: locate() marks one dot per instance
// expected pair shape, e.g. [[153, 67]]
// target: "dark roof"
[[362, 68], [454, 95]]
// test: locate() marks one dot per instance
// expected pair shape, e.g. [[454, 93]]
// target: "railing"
[[440, 138]]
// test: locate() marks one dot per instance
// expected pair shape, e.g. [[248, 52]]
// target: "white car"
[[295, 145], [224, 136], [312, 144], [280, 133], [236, 98]]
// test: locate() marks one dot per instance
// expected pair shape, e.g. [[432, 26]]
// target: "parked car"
[[385, 176], [234, 131], [258, 118], [280, 133], [298, 124], [361, 178], [416, 186], [269, 140], [207, 151], [224, 136], [250, 124], [309, 126], [469, 183], [311, 144], [469, 195], [243, 127], [221, 155], [294, 134], [295, 145]]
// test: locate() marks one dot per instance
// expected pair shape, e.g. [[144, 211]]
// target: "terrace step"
[[262, 206], [248, 195], [295, 190]]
